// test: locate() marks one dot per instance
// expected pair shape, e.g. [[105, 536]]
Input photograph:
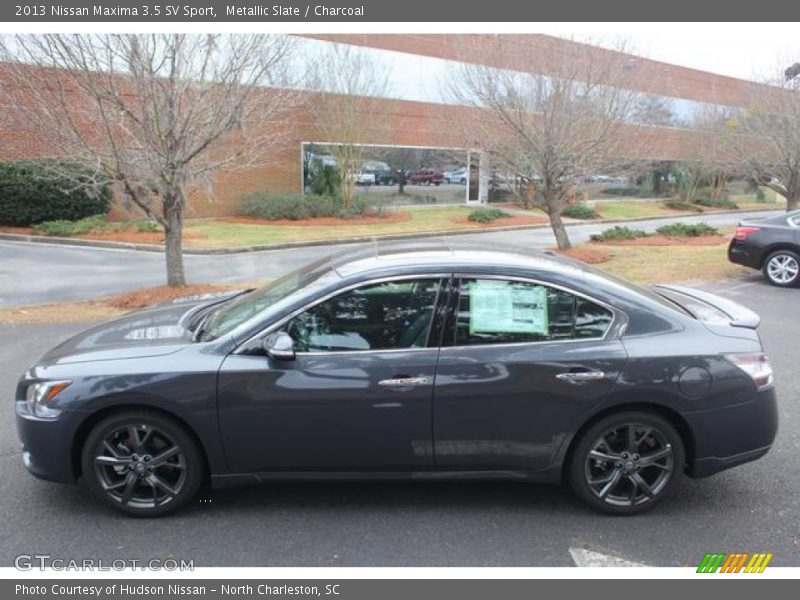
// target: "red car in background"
[[426, 176]]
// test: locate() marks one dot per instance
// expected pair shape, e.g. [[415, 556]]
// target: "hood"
[[154, 331]]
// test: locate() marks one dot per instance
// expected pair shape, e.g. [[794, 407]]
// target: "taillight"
[[741, 233], [757, 366]]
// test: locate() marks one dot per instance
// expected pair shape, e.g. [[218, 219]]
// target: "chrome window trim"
[[285, 319], [619, 320]]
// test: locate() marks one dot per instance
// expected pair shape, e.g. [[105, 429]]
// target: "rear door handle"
[[404, 382], [581, 376]]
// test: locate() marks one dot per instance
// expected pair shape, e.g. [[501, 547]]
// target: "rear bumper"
[[730, 436], [745, 254]]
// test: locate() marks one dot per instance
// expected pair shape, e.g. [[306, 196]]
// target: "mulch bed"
[[142, 297], [592, 256]]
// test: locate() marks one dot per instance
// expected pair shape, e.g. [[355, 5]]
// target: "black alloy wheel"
[[627, 463], [142, 463]]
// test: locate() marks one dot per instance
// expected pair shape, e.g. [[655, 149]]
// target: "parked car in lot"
[[426, 176], [364, 178], [770, 245], [409, 361], [384, 177], [457, 176]]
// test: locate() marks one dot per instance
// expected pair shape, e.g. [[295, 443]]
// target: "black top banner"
[[211, 11]]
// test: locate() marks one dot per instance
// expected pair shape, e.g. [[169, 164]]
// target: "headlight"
[[39, 396]]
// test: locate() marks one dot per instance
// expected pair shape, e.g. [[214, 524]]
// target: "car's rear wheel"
[[782, 268], [142, 463], [626, 463]]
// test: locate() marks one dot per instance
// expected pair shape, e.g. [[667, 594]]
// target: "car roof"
[[447, 254]]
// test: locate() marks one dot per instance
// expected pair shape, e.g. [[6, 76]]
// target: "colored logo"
[[738, 562]]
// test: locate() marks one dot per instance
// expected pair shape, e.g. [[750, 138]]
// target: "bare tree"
[[159, 115], [552, 123], [345, 110], [764, 139]]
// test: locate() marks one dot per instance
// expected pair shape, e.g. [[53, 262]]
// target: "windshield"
[[229, 316]]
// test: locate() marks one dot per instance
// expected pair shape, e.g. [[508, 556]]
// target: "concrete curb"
[[60, 241]]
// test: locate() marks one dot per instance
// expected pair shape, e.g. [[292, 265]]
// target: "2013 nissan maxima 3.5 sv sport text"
[[401, 360]]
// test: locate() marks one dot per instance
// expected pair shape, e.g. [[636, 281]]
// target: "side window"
[[492, 311], [381, 316]]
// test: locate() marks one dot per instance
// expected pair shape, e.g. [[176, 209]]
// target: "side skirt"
[[232, 480]]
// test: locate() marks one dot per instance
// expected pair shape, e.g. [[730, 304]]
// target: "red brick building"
[[420, 121]]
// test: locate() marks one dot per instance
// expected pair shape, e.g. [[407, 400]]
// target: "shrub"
[[65, 228], [619, 233], [681, 205], [721, 202], [622, 191], [146, 226], [766, 196], [324, 180], [687, 230], [580, 211], [292, 206], [30, 194], [486, 215]]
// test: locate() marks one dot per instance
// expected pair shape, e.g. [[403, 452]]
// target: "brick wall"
[[412, 123]]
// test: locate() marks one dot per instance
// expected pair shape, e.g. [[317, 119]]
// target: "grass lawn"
[[226, 233], [670, 264], [635, 210]]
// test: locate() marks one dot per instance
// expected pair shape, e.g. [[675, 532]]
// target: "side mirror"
[[279, 346]]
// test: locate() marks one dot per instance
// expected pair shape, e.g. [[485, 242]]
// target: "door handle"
[[581, 376], [404, 382]]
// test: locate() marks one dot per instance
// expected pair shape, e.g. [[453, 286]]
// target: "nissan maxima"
[[407, 361], [771, 245]]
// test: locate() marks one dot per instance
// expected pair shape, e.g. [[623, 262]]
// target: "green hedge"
[[717, 203], [486, 215], [687, 230], [619, 233], [29, 194], [294, 206], [95, 223], [580, 211]]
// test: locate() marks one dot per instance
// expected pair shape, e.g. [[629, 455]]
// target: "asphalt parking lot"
[[754, 508]]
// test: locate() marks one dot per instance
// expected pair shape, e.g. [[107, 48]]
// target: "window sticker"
[[507, 307]]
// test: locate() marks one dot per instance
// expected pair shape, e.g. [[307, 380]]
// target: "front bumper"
[[47, 450], [729, 436]]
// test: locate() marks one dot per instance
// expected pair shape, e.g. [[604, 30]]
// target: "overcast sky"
[[748, 51]]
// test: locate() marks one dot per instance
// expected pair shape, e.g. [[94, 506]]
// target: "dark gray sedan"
[[407, 361]]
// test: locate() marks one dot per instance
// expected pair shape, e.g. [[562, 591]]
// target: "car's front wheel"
[[142, 463], [782, 268], [626, 463]]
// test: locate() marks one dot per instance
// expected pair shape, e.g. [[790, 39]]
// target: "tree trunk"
[[173, 242], [792, 200], [401, 182], [559, 230]]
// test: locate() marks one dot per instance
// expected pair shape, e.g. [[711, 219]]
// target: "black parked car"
[[397, 361], [771, 245], [384, 177]]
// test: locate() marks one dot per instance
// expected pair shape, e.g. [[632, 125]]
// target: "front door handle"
[[404, 382], [581, 376]]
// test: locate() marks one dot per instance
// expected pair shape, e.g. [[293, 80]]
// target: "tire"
[[127, 477], [617, 489], [782, 268]]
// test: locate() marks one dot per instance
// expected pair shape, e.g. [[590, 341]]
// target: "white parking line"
[[588, 558]]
